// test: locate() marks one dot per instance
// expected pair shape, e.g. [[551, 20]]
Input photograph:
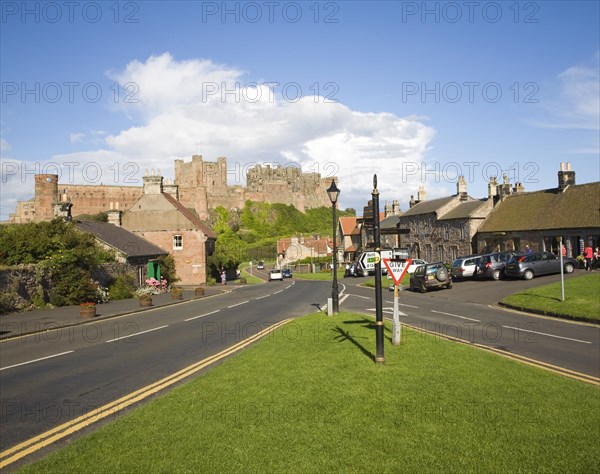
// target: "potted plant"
[[176, 293], [199, 291], [87, 310], [144, 295]]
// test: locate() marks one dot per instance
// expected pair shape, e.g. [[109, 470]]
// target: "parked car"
[[537, 263], [414, 264], [431, 275], [275, 274], [465, 267], [287, 273], [260, 266], [492, 265]]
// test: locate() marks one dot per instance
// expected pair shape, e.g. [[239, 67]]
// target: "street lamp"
[[333, 192]]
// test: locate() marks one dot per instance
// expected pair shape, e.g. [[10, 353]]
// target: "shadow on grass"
[[345, 336], [541, 297]]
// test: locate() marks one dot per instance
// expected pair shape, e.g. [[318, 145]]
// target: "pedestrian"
[[597, 258], [223, 277], [588, 254], [527, 250], [564, 250]]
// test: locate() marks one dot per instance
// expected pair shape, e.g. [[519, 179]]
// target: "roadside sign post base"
[[396, 326]]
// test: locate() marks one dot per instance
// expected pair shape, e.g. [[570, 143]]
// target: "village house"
[[540, 218], [349, 238], [158, 217], [292, 249]]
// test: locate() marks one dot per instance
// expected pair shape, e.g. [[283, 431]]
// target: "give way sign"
[[397, 268]]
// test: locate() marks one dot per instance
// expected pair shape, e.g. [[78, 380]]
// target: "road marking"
[[35, 360], [238, 304], [55, 434], [202, 315], [388, 311], [261, 297], [546, 334], [456, 316], [137, 333], [359, 296], [277, 292], [343, 298], [403, 304]]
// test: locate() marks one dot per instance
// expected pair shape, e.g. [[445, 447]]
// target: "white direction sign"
[[397, 268], [368, 260]]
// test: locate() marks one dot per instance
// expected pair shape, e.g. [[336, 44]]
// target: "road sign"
[[368, 260], [397, 268]]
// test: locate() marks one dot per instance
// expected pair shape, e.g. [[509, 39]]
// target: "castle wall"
[[94, 199]]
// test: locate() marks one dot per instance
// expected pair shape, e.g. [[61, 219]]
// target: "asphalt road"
[[56, 376]]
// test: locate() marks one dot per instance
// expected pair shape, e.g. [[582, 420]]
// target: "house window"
[[447, 232], [177, 242], [462, 232], [441, 253]]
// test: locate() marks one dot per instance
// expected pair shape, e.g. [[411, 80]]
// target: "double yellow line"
[[36, 443]]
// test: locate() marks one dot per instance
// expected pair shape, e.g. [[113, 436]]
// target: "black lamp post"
[[333, 192]]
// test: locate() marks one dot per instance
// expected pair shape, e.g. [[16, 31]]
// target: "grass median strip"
[[582, 298], [309, 398]]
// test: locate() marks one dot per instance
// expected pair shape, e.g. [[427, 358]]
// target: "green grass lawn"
[[582, 298], [250, 279], [321, 276], [309, 399], [386, 282]]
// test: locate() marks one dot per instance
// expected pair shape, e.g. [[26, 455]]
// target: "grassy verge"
[[309, 398], [325, 276], [582, 298], [250, 279], [385, 282]]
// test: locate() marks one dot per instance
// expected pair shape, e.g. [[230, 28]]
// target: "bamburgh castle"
[[198, 185]]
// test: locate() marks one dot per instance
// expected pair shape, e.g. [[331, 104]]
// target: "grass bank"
[[582, 299], [310, 399], [250, 279]]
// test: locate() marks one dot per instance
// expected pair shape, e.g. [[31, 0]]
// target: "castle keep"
[[198, 185]]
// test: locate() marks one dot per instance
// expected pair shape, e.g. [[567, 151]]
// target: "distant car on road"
[[537, 263], [275, 275], [287, 273], [260, 266], [492, 265], [431, 275], [465, 267]]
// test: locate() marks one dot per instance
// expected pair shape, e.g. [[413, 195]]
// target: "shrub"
[[210, 281], [72, 285], [122, 287]]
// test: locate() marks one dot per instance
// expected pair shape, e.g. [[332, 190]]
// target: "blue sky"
[[412, 91]]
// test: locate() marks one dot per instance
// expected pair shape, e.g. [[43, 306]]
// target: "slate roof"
[[577, 207], [130, 244], [389, 222], [427, 207], [191, 217], [463, 210]]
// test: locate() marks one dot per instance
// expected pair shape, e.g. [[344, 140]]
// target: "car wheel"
[[496, 275], [569, 268], [422, 288], [441, 274], [528, 274], [449, 285]]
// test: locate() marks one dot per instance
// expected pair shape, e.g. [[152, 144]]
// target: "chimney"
[[171, 188], [412, 201], [388, 210], [461, 188], [395, 207], [153, 184], [566, 177], [518, 189], [114, 217], [62, 209], [421, 194], [492, 187]]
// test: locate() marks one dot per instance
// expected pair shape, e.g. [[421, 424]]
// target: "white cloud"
[[182, 107], [577, 105], [4, 145]]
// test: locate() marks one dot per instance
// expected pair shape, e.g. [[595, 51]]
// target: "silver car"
[[465, 267]]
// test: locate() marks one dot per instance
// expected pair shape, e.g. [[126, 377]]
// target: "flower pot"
[[199, 291], [145, 302], [87, 312], [176, 296]]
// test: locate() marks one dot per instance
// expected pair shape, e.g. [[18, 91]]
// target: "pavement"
[[39, 320]]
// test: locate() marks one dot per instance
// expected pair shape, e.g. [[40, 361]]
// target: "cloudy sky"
[[416, 92]]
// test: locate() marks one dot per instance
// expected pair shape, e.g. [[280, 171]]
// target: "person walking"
[[527, 250], [223, 277], [588, 254]]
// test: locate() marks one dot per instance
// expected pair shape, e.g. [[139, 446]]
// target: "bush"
[[122, 287], [72, 285], [210, 281]]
